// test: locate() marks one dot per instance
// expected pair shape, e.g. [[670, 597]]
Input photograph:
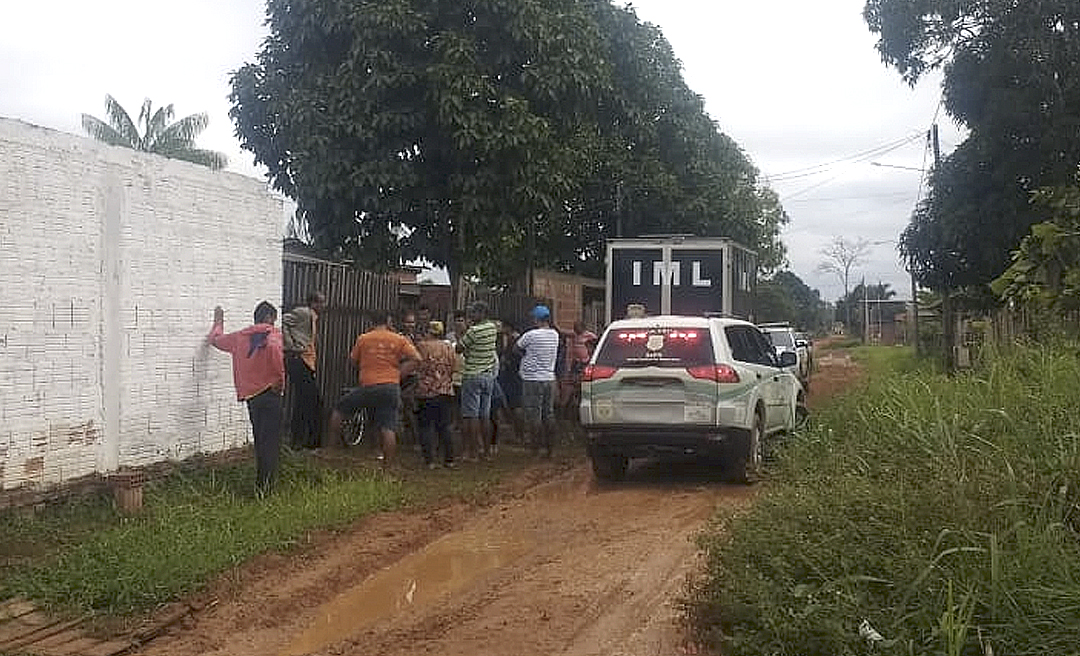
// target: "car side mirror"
[[788, 359], [801, 342]]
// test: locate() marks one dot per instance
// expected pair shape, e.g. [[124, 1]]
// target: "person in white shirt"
[[540, 348]]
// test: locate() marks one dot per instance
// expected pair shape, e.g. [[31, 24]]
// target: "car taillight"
[[721, 373], [596, 372]]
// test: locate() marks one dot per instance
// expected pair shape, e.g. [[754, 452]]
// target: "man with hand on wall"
[[259, 377], [299, 328]]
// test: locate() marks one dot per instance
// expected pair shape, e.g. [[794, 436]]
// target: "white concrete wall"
[[111, 262]]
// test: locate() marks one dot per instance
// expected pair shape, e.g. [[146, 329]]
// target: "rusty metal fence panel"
[[503, 305], [350, 292]]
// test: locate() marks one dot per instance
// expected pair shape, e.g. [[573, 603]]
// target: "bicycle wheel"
[[352, 429]]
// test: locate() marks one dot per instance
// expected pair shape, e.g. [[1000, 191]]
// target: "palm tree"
[[159, 136]]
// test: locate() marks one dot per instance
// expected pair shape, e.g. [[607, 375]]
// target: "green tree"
[[484, 136], [1045, 269], [785, 297], [159, 135], [1012, 78], [864, 304]]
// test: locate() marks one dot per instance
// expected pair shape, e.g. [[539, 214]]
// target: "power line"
[[897, 194], [860, 156]]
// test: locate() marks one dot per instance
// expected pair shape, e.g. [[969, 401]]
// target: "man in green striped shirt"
[[477, 346]]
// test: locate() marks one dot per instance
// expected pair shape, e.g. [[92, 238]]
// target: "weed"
[[912, 486]]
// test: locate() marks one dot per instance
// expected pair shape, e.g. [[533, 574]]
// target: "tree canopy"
[[159, 134], [1046, 267], [481, 135], [785, 297], [1012, 78]]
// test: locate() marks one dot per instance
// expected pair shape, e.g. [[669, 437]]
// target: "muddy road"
[[561, 565], [555, 564]]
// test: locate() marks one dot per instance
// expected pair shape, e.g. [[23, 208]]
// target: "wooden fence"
[[1016, 323], [350, 292], [503, 305]]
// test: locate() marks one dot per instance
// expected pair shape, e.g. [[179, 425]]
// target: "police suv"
[[704, 386]]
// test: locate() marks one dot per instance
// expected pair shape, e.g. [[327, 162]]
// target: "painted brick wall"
[[111, 262]]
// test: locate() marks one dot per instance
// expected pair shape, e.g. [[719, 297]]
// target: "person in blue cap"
[[540, 349]]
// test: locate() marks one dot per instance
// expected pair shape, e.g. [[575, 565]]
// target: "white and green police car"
[[706, 386]]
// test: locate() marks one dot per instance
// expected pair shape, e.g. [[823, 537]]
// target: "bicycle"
[[354, 425]]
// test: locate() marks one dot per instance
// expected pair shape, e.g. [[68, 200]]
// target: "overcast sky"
[[797, 84]]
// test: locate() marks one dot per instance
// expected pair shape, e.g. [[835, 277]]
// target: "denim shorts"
[[476, 393], [381, 402]]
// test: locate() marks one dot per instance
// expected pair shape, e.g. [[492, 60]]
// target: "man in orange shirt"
[[259, 378], [383, 358]]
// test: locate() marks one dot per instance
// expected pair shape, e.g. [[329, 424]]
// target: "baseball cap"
[[541, 312]]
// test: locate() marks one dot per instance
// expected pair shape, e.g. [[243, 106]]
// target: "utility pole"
[[914, 310], [619, 209], [866, 312], [947, 331], [530, 246]]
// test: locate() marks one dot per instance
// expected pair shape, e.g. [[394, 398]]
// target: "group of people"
[[429, 377]]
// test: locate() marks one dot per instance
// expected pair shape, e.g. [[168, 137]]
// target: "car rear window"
[[781, 338], [656, 347]]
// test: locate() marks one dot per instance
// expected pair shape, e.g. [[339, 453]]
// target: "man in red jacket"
[[259, 376]]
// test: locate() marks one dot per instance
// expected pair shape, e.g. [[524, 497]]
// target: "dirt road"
[[557, 565], [565, 566]]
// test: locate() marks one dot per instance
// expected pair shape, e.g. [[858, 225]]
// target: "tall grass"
[[192, 528], [942, 510]]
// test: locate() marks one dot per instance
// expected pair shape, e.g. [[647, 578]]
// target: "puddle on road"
[[444, 566]]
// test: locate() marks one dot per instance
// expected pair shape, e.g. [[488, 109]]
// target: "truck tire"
[[745, 459], [610, 467], [802, 414]]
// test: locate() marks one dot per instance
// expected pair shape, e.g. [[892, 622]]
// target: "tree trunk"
[[455, 265], [948, 334]]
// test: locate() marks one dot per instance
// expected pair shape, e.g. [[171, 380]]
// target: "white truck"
[[681, 275]]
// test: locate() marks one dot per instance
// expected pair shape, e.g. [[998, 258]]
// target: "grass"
[[84, 557], [943, 511]]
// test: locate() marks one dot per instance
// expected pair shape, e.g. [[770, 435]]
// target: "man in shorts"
[[477, 346], [383, 358]]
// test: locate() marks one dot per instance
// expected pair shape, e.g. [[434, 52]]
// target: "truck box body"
[[680, 275]]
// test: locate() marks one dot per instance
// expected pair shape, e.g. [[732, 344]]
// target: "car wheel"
[[802, 414], [746, 460], [610, 467]]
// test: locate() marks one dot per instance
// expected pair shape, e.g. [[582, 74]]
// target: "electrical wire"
[[817, 169]]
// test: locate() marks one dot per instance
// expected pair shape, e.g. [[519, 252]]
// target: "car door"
[[759, 363], [779, 387]]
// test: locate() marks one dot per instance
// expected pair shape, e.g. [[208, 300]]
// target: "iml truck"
[[680, 274]]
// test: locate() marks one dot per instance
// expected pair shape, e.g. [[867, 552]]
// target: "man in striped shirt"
[[477, 346], [540, 349]]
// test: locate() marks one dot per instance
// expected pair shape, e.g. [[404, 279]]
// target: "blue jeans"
[[434, 418]]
